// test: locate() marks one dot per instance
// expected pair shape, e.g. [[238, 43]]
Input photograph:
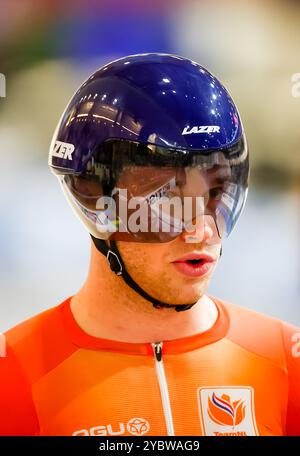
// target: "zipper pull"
[[157, 348]]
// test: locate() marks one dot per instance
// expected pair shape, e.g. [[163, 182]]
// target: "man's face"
[[152, 266]]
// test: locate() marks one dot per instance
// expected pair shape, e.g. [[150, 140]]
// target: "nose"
[[202, 232]]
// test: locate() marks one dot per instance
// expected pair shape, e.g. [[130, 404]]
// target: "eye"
[[212, 197], [215, 193]]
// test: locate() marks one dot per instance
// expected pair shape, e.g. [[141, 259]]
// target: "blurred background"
[[47, 49]]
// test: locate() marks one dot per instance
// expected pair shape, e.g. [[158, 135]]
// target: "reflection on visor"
[[134, 192]]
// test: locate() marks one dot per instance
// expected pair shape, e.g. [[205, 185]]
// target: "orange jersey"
[[241, 377]]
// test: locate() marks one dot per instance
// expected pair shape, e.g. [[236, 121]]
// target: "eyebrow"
[[219, 175]]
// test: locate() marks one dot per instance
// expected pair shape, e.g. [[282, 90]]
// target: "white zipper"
[[157, 349]]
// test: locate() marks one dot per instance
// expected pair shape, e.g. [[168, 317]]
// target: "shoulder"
[[33, 328], [278, 342], [28, 351], [35, 340], [261, 334]]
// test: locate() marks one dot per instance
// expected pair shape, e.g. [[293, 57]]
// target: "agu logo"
[[135, 426], [138, 426], [227, 411]]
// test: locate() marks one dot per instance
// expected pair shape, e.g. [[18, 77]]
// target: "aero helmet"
[[143, 139]]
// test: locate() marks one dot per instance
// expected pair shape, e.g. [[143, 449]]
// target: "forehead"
[[142, 173]]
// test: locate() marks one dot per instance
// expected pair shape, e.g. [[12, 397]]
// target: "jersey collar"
[[170, 347]]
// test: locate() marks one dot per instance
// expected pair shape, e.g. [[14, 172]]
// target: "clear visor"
[[144, 193]]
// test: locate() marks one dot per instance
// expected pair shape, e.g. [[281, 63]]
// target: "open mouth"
[[199, 261], [193, 267]]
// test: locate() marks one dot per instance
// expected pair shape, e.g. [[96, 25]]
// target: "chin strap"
[[116, 264]]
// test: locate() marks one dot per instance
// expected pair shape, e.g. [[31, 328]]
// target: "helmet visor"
[[144, 193]]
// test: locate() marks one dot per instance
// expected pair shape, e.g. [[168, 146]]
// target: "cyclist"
[[152, 156]]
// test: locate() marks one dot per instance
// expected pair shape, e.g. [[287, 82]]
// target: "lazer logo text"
[[202, 129], [63, 150]]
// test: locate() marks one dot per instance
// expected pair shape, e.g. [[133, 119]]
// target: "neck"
[[107, 308]]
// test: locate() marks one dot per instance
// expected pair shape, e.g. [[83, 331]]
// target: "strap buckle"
[[114, 262]]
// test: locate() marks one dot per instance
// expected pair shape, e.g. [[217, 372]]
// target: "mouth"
[[194, 265], [195, 257]]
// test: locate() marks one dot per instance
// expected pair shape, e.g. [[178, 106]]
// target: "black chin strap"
[[117, 266]]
